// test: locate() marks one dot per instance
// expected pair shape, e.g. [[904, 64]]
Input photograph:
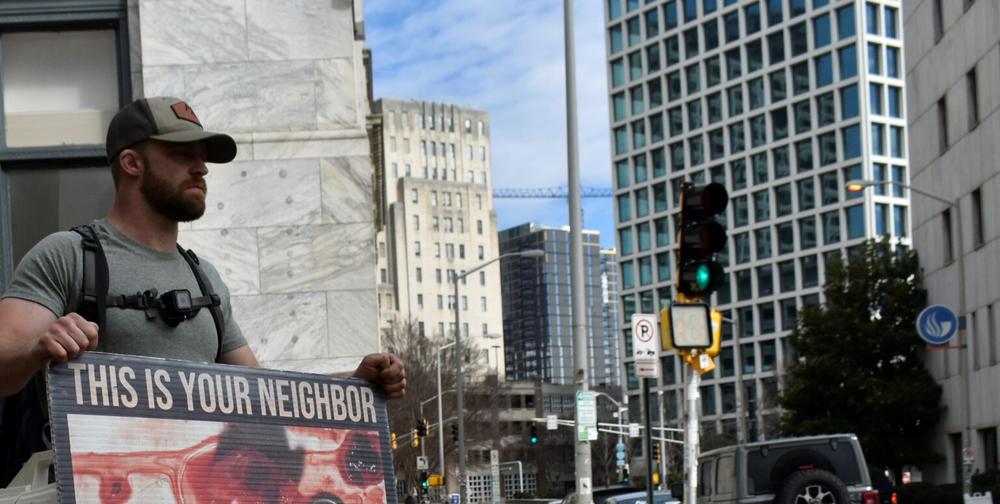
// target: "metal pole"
[[459, 400], [692, 441], [580, 349], [663, 446], [648, 423], [440, 416], [964, 346]]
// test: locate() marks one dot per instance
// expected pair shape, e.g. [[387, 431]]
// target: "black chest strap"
[[94, 299]]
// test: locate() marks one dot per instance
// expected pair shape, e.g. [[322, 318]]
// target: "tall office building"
[[783, 102], [538, 307], [952, 67], [436, 221]]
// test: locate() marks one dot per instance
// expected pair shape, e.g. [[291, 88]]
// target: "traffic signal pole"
[[648, 420], [692, 438]]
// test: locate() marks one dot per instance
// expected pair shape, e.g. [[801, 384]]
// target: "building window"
[[977, 217], [61, 110], [972, 89], [942, 119], [938, 19], [946, 240], [416, 248], [420, 301], [419, 273]]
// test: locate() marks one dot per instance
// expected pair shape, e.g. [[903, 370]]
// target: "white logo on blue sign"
[[937, 324]]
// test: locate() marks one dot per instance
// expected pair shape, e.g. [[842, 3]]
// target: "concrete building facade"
[[953, 61], [538, 308], [782, 102], [289, 223], [438, 222]]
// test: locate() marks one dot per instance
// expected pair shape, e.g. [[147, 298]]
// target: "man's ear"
[[132, 162]]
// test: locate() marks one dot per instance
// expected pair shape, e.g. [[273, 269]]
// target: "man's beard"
[[169, 202]]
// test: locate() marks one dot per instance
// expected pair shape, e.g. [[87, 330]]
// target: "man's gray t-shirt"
[[51, 274]]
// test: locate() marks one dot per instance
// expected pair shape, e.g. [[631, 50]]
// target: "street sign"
[[585, 488], [456, 499], [633, 430], [495, 472], [551, 422], [586, 407], [646, 345], [968, 455], [937, 324], [421, 463]]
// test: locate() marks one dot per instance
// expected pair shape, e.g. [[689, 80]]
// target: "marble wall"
[[289, 223]]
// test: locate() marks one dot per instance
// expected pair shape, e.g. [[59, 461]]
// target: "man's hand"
[[386, 370], [66, 338]]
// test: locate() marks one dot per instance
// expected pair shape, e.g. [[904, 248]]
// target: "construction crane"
[[553, 192]]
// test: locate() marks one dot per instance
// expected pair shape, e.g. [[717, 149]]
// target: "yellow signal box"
[[393, 440], [435, 480], [414, 439]]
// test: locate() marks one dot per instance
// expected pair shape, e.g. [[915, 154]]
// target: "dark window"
[[973, 92], [942, 119], [977, 217]]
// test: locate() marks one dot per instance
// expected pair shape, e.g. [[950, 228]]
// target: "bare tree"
[[419, 353]]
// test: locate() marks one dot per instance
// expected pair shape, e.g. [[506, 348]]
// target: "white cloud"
[[506, 57]]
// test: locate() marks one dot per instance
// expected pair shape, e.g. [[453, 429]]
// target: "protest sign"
[[136, 429]]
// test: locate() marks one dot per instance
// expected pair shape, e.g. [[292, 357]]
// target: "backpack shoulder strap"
[[93, 298], [206, 290]]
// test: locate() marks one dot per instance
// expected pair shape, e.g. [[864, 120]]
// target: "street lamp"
[[460, 378], [956, 204], [440, 409]]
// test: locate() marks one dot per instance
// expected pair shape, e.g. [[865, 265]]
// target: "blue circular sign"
[[937, 324]]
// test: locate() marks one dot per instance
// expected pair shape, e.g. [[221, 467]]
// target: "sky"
[[506, 57]]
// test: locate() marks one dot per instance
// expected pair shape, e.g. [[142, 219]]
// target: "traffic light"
[[436, 480], [454, 432], [393, 440], [424, 484], [656, 452], [534, 434], [422, 427], [701, 236], [414, 439]]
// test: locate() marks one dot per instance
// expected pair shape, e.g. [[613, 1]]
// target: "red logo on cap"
[[183, 111]]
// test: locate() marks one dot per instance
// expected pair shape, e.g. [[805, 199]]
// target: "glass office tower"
[[783, 102]]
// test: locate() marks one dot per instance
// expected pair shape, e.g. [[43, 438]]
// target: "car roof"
[[660, 497], [781, 442]]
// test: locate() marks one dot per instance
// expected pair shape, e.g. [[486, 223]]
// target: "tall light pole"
[[440, 408], [963, 343], [578, 281], [459, 377]]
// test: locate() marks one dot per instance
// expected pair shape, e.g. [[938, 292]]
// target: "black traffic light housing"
[[656, 451], [454, 432], [424, 484], [700, 238], [534, 434], [422, 427]]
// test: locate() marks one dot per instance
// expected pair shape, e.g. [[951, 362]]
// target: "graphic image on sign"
[[134, 429], [937, 324]]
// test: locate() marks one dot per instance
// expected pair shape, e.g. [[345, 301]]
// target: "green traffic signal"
[[702, 277], [534, 439]]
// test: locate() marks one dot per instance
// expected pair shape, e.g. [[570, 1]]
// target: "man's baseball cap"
[[167, 119]]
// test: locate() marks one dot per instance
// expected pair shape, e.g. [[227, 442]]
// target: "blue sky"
[[506, 57]]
